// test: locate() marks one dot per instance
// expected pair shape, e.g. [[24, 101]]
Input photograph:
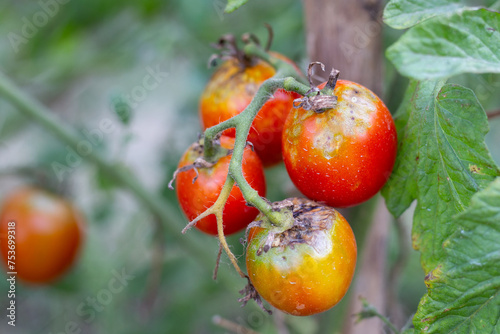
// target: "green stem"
[[388, 323], [286, 77], [210, 151], [370, 311], [242, 122], [284, 68], [39, 113], [221, 201]]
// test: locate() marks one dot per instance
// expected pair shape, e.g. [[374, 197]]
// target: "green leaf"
[[446, 45], [402, 14], [232, 5], [464, 289], [122, 108], [401, 189], [442, 161]]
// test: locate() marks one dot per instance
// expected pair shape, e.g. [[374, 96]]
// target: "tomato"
[[195, 198], [343, 156], [40, 234], [229, 92], [308, 268]]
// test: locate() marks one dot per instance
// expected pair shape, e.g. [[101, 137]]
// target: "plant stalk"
[[242, 122]]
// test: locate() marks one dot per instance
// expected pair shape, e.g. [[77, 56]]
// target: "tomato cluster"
[[230, 91], [337, 156]]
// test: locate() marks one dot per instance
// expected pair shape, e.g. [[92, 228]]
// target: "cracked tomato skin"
[[344, 156], [195, 198], [314, 272], [48, 234], [230, 91]]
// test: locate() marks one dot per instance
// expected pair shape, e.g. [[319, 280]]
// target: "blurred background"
[[86, 61]]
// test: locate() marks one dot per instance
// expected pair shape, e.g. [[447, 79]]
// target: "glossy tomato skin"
[[229, 92], [48, 234], [195, 198], [344, 156], [313, 272]]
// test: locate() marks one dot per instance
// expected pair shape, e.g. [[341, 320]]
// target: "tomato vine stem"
[[286, 78], [221, 201], [369, 311], [217, 209], [231, 326], [242, 122]]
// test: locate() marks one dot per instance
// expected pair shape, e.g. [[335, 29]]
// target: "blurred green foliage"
[[84, 57]]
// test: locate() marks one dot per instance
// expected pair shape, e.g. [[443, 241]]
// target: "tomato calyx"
[[283, 210], [248, 38], [228, 48], [315, 99], [201, 161], [309, 219]]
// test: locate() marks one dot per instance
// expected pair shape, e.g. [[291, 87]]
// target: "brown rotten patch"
[[311, 220]]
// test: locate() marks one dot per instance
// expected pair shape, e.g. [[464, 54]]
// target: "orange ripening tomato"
[[195, 198], [230, 91], [308, 268], [345, 155], [40, 234]]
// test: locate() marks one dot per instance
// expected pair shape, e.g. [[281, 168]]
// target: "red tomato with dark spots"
[[195, 198], [40, 234], [308, 268], [230, 91], [343, 156]]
